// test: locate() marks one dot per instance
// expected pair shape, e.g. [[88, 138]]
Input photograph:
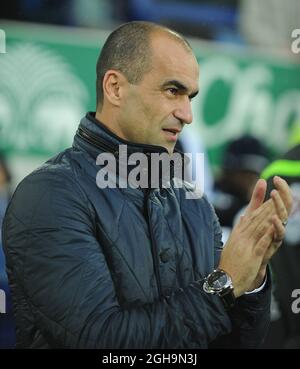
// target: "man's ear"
[[114, 86]]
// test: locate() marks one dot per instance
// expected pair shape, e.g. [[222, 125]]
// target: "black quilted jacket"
[[116, 268]]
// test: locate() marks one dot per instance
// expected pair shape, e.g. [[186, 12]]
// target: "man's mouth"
[[171, 133]]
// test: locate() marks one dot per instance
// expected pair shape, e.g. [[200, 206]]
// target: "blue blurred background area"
[[249, 56], [268, 23], [206, 19]]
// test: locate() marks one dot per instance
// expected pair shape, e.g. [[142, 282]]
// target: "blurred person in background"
[[243, 160], [285, 266], [7, 328]]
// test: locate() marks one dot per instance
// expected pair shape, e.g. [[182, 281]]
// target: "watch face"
[[218, 280]]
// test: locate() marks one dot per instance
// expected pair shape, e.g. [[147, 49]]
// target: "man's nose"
[[183, 111]]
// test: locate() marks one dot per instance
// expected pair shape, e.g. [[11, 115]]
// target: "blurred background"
[[246, 116]]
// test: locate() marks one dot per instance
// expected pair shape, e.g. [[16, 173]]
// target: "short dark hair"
[[127, 49]]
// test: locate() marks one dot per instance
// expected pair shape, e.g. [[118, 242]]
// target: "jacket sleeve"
[[250, 316]]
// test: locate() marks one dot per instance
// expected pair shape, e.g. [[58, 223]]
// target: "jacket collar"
[[93, 136]]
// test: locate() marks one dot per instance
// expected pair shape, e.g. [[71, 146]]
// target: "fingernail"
[[276, 178]]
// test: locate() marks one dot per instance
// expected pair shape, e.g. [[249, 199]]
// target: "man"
[[243, 160], [285, 319], [121, 267]]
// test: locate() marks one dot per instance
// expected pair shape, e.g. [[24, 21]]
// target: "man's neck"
[[108, 121]]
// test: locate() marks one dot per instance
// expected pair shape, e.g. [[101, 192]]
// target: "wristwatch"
[[219, 283]]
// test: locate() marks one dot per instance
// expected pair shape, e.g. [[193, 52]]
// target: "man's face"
[[155, 111]]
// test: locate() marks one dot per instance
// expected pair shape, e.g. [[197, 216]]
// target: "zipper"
[[95, 140], [100, 143], [153, 247]]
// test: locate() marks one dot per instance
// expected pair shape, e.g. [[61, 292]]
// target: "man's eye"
[[173, 90]]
